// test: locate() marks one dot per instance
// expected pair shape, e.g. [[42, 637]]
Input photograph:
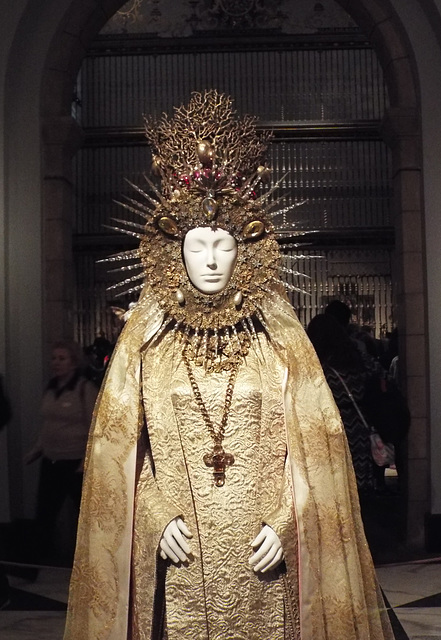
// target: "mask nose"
[[211, 258]]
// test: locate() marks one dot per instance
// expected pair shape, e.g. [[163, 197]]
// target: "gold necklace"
[[217, 458]]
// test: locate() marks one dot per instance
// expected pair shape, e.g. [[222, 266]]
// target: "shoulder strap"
[[357, 408]]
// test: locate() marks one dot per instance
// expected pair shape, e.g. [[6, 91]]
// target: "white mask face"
[[210, 258]]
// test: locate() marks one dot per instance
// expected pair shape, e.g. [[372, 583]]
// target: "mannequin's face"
[[210, 258]]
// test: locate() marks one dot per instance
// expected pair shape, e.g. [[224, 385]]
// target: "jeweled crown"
[[210, 162]]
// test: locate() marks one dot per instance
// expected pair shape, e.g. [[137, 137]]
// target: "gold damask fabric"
[[217, 595], [292, 470]]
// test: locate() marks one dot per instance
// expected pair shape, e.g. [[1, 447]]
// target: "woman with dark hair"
[[66, 409], [343, 365]]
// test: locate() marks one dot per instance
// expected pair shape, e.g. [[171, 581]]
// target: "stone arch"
[[61, 138], [402, 132], [401, 128]]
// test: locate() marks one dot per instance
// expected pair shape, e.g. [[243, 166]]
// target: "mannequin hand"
[[173, 544], [270, 552]]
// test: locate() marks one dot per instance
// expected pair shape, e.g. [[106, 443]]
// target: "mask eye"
[[253, 230], [168, 226]]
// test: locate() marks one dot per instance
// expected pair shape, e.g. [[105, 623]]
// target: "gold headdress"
[[211, 168]]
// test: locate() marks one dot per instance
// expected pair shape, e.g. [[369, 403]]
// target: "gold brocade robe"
[[217, 595], [310, 499]]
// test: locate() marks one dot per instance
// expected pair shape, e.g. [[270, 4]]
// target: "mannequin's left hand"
[[269, 550]]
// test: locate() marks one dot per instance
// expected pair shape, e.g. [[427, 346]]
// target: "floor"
[[38, 601]]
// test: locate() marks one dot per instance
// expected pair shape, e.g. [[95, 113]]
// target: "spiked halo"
[[210, 163]]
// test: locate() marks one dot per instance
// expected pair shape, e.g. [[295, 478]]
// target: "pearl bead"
[[238, 298]]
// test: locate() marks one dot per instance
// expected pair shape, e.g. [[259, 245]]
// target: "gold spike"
[[292, 246], [262, 320], [293, 272], [136, 207], [287, 285], [245, 184], [131, 254], [227, 336], [280, 212], [310, 257], [129, 223], [154, 187], [216, 342], [173, 334], [144, 194], [198, 340], [177, 326], [133, 209], [236, 335], [112, 260], [275, 202], [296, 256], [252, 327], [256, 339], [128, 291], [286, 257], [249, 185], [140, 236], [148, 210], [264, 197], [139, 276], [246, 328], [205, 346], [127, 267]]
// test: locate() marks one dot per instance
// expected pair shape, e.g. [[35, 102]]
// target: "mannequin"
[[219, 500], [209, 258]]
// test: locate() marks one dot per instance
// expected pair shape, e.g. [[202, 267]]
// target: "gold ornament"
[[206, 153], [238, 298], [210, 162], [168, 226], [264, 173], [155, 167], [210, 207], [253, 229], [180, 297], [218, 458]]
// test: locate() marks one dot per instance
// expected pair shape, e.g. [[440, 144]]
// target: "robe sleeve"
[[153, 511], [282, 518], [152, 515]]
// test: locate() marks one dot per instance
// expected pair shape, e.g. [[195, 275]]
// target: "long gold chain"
[[218, 458]]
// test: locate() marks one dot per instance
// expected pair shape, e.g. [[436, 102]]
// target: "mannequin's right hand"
[[173, 545]]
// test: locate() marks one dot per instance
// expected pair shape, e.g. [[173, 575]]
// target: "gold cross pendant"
[[218, 459]]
